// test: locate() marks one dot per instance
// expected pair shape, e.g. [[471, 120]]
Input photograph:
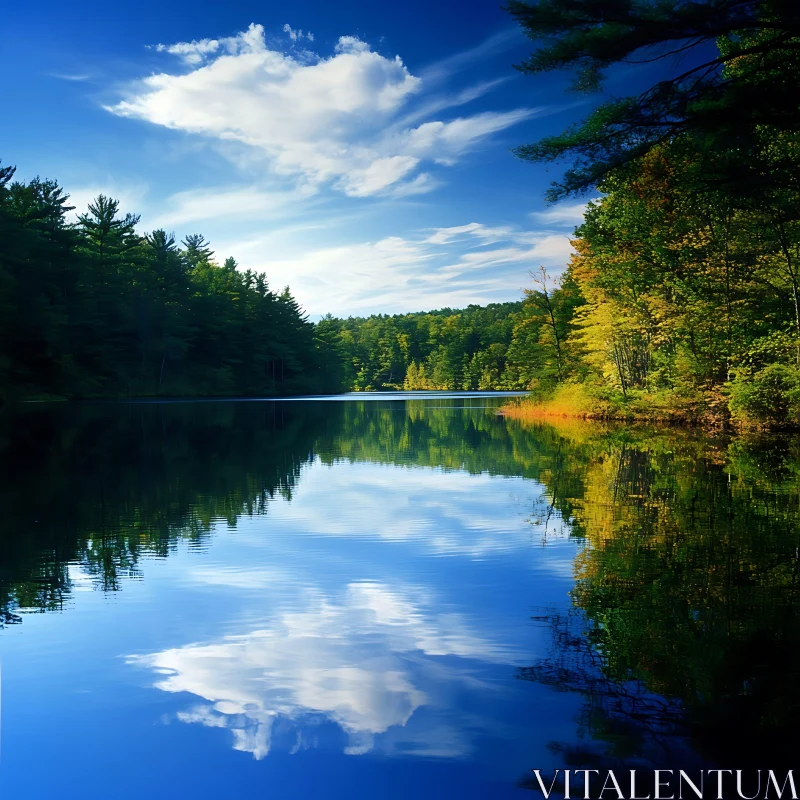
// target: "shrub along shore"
[[577, 401]]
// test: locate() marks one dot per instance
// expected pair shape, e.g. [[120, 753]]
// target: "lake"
[[386, 596]]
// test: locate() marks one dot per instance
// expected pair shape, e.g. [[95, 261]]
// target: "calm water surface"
[[386, 597]]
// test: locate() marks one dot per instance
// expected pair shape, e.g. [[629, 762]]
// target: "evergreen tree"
[[198, 250], [95, 309], [739, 74]]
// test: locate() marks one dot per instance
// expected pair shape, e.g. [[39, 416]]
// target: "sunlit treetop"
[[734, 68]]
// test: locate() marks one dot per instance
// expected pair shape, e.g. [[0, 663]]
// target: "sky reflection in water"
[[352, 611], [350, 592]]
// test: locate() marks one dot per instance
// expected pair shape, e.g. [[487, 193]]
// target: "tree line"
[[677, 303], [466, 349], [501, 346], [94, 308]]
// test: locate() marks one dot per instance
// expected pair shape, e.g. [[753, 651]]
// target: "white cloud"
[[323, 120], [454, 266], [297, 35], [476, 229], [249, 202], [70, 76], [196, 51], [422, 184], [193, 52], [366, 661], [381, 173], [563, 214], [351, 44], [447, 140], [442, 101], [352, 277]]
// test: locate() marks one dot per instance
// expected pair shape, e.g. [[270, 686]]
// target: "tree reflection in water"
[[684, 629]]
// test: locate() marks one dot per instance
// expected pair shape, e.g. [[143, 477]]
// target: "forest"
[[683, 297], [475, 348], [93, 308]]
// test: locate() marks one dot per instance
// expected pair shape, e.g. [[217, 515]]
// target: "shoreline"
[[537, 410]]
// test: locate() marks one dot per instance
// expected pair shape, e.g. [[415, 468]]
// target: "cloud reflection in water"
[[368, 662]]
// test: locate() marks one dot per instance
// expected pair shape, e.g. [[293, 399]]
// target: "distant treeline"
[[94, 308], [479, 347]]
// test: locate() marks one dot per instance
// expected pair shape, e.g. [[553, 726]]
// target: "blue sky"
[[359, 153]]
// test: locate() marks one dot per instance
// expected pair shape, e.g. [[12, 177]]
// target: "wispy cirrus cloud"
[[471, 229], [496, 43], [241, 202], [75, 77], [454, 266], [562, 214], [346, 120]]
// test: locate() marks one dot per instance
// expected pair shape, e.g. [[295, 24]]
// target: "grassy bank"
[[583, 401]]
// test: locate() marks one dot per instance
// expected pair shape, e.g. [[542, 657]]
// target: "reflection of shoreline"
[[93, 488], [688, 580], [366, 664], [686, 598]]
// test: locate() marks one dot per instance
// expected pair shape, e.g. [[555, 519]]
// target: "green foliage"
[[95, 309], [688, 267], [724, 98], [445, 349], [688, 300], [768, 395]]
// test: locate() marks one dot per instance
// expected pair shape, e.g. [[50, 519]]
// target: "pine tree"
[[198, 250], [743, 73]]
